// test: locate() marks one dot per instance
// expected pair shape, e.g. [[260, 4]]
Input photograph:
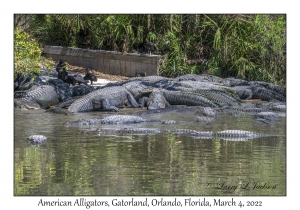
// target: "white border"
[[8, 8]]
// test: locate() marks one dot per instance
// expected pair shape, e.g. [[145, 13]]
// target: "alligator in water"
[[37, 139], [113, 119], [230, 135], [266, 117], [58, 110]]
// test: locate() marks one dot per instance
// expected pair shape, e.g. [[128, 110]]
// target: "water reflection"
[[80, 162]]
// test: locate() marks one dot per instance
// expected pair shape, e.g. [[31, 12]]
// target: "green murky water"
[[82, 162]]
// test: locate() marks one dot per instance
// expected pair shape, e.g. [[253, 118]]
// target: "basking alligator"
[[186, 98], [113, 119], [44, 95], [105, 99], [156, 100]]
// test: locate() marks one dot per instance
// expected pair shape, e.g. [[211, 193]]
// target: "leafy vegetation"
[[250, 46], [27, 55]]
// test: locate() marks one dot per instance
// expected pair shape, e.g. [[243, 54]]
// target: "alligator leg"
[[132, 100], [143, 101], [103, 104]]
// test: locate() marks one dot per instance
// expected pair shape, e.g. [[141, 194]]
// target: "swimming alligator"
[[266, 117], [230, 135], [37, 139], [113, 119]]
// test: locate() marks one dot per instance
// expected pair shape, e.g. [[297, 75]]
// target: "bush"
[[27, 55]]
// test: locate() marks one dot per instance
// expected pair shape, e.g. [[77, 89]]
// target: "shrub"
[[27, 55]]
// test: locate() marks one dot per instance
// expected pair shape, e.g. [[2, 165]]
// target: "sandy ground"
[[99, 75], [102, 79]]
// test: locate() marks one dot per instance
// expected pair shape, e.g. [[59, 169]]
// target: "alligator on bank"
[[190, 90], [104, 99], [44, 95]]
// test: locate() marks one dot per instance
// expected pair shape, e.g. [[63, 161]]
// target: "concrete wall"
[[107, 62]]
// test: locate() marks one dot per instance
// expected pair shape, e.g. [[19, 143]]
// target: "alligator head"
[[137, 89]]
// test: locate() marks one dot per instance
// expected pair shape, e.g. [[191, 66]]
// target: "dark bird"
[[80, 80], [140, 74], [70, 80], [90, 76], [62, 74], [149, 46], [59, 65]]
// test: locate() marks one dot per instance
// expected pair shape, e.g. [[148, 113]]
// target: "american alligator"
[[266, 117], [240, 135], [25, 105], [277, 108], [170, 122], [206, 111], [244, 110], [204, 119], [273, 106], [156, 111], [105, 99], [37, 139], [186, 98], [44, 95], [137, 89], [148, 78], [23, 83], [267, 95], [156, 100], [244, 92], [68, 102], [81, 90], [55, 82], [218, 97], [58, 110], [113, 119], [200, 78], [272, 87], [231, 82], [231, 135]]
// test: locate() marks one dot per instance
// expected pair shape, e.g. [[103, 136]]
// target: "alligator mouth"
[[30, 107]]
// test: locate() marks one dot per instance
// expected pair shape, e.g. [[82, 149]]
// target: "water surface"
[[83, 162]]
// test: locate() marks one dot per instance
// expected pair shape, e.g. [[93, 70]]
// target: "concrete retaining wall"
[[107, 62]]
